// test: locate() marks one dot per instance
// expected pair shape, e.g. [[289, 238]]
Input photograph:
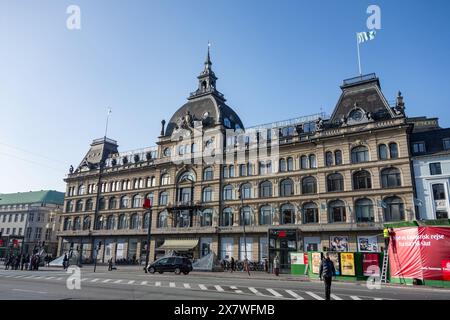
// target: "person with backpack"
[[326, 273]]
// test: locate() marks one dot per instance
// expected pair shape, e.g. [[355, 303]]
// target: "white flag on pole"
[[365, 36]]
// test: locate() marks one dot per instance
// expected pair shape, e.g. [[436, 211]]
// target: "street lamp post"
[[148, 205], [243, 223]]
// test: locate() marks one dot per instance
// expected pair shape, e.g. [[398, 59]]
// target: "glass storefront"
[[281, 243]]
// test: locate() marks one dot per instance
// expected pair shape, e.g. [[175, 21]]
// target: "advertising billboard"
[[339, 243], [347, 264], [367, 244], [371, 264], [316, 258]]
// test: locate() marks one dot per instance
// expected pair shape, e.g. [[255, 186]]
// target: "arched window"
[[110, 222], [150, 197], [362, 180], [286, 188], [282, 165], [187, 177], [99, 222], [390, 178], [265, 215], [360, 154], [246, 216], [207, 194], [137, 201], [382, 152], [394, 210], [310, 213], [228, 192], [364, 210], [338, 157], [124, 202], [225, 171], [112, 203], [208, 174], [336, 211], [265, 189], [309, 185], [165, 179], [246, 190], [163, 198], [335, 182], [67, 224], [69, 206], [287, 214], [89, 205], [135, 183], [242, 170], [77, 223], [81, 190], [226, 220], [101, 204], [206, 218], [265, 167], [162, 219], [312, 161], [86, 223], [122, 222], [328, 158], [290, 164], [134, 221], [231, 171], [141, 183], [146, 221], [79, 206], [393, 150], [304, 162]]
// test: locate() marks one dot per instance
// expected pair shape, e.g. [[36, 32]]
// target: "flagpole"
[[359, 56], [107, 120]]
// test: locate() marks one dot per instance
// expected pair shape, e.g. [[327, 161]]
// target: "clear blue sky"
[[275, 60]]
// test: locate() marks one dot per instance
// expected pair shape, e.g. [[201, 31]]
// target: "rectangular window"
[[7, 230], [446, 143], [16, 217], [29, 231], [20, 231], [48, 233], [14, 231], [37, 235], [435, 168], [419, 147]]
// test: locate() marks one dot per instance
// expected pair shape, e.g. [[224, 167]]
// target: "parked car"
[[171, 264]]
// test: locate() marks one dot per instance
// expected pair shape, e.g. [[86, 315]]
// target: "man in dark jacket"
[[327, 272]]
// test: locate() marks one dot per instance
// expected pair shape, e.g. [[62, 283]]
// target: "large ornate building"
[[311, 183]]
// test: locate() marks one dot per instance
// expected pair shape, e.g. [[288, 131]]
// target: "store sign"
[[290, 233], [347, 264]]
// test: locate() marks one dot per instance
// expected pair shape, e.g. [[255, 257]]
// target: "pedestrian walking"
[[17, 264], [233, 264], [276, 265], [65, 261], [27, 261], [326, 273], [110, 264]]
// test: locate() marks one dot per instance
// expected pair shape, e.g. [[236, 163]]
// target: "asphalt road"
[[135, 284]]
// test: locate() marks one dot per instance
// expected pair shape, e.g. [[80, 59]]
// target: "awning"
[[179, 245]]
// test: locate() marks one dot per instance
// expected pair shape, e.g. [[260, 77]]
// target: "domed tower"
[[205, 106]]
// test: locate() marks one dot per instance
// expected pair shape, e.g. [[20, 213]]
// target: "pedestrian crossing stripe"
[[158, 284], [203, 287], [295, 295], [255, 291], [219, 288], [276, 294], [236, 289], [355, 298], [315, 296], [187, 285], [106, 280], [131, 282], [143, 283], [335, 297]]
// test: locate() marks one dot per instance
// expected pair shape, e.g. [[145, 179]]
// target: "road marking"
[[203, 287], [315, 296], [295, 295], [335, 297], [118, 281], [143, 283], [255, 291], [95, 280], [85, 279], [49, 278], [236, 289], [187, 285], [31, 291], [377, 298], [106, 280], [276, 294], [158, 284], [172, 284], [219, 288], [18, 277], [355, 297], [131, 282], [38, 278]]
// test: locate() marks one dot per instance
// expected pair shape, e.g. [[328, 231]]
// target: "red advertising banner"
[[419, 252], [371, 265]]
